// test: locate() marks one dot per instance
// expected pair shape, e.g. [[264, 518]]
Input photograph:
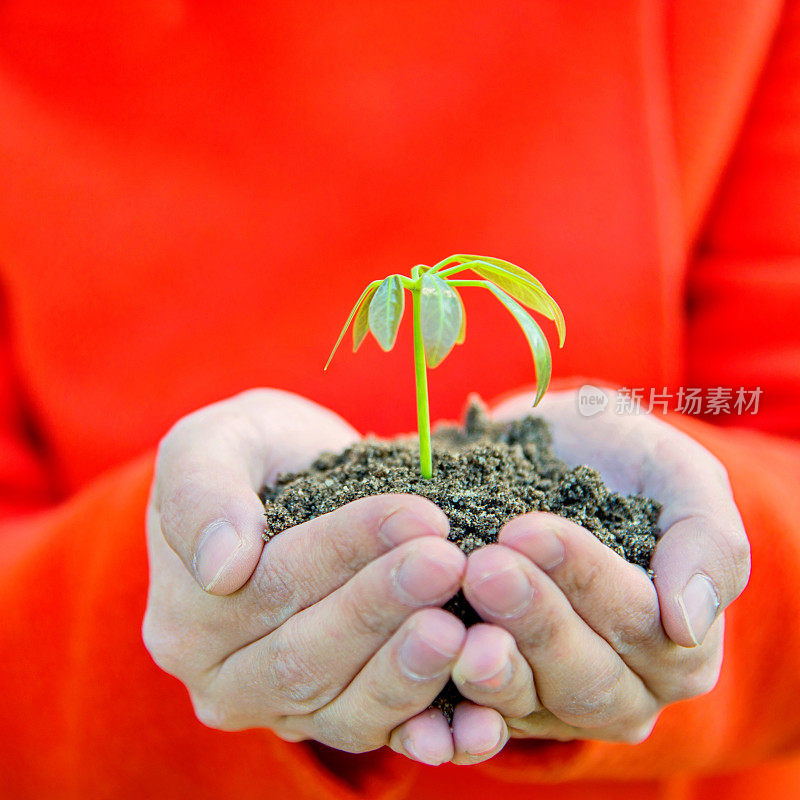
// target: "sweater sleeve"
[[744, 282], [73, 581], [25, 485]]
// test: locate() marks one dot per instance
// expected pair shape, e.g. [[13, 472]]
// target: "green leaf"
[[537, 341], [386, 311], [366, 291], [521, 285], [462, 334], [361, 322], [531, 294], [499, 262], [440, 318]]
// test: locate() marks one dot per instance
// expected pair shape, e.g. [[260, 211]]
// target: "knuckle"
[[636, 734], [596, 703], [153, 641], [213, 714], [544, 629], [584, 580], [274, 587], [367, 616], [391, 696], [162, 643], [286, 728], [304, 688], [345, 549], [695, 684], [706, 682], [515, 702], [639, 627]]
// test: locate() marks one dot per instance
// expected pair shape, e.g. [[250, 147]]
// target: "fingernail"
[[403, 524], [699, 604], [219, 543], [422, 659], [505, 593], [491, 680], [408, 746], [543, 547], [488, 743], [423, 578]]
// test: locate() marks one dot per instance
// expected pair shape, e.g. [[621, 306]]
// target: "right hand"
[[332, 631]]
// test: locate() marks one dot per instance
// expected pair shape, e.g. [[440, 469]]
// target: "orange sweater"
[[192, 193]]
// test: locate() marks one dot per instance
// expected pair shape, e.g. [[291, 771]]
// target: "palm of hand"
[[574, 644]]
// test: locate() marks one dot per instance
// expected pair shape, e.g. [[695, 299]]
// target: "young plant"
[[440, 321]]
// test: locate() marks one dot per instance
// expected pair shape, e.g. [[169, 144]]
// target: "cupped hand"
[[333, 630], [578, 643]]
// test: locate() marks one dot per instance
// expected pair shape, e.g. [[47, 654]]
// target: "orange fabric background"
[[192, 196]]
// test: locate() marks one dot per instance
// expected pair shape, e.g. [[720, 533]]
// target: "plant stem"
[[467, 283], [421, 377], [453, 270]]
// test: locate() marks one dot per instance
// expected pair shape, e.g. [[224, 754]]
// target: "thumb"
[[701, 566], [702, 561], [210, 467], [213, 519]]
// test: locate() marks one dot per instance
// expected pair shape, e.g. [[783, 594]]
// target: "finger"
[[702, 561], [304, 564], [616, 599], [297, 568], [478, 733], [213, 462], [425, 738], [544, 725], [491, 672], [399, 682], [577, 674], [313, 656], [213, 520]]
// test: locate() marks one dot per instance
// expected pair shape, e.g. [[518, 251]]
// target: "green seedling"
[[440, 320]]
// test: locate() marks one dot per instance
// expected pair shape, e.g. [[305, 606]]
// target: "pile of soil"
[[483, 475]]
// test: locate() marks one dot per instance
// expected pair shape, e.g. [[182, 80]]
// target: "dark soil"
[[483, 475]]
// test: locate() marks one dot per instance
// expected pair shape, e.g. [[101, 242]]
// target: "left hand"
[[581, 644]]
